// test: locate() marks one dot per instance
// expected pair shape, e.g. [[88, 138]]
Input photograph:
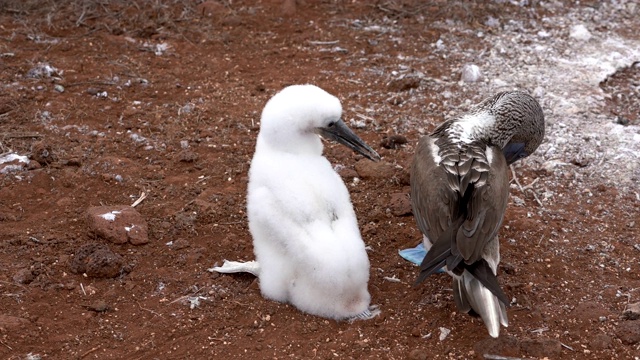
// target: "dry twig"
[[140, 199], [89, 352], [500, 357], [149, 310], [8, 347], [528, 187], [566, 346]]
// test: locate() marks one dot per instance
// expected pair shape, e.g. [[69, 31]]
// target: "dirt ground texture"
[[108, 100]]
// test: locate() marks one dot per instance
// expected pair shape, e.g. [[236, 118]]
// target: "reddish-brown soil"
[[180, 123]]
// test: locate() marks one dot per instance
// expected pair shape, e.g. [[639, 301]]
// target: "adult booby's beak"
[[514, 152], [338, 131]]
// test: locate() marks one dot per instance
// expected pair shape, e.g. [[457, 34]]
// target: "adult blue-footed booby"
[[308, 247], [459, 193]]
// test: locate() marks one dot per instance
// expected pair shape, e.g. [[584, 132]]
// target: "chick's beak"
[[338, 131]]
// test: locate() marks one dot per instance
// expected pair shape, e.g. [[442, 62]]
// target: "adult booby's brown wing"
[[459, 196]]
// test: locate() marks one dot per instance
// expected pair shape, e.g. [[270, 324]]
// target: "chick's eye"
[[331, 124]]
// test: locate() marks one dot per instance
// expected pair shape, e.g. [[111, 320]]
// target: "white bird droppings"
[[12, 157], [110, 216]]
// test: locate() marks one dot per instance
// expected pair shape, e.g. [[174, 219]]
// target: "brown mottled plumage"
[[459, 193]]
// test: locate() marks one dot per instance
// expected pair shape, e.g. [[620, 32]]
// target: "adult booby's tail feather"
[[481, 271], [440, 253], [471, 294]]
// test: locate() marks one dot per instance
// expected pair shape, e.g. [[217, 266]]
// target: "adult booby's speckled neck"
[[459, 193]]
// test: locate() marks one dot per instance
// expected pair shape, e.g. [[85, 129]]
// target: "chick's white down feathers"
[[304, 228]]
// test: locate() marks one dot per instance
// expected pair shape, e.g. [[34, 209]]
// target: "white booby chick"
[[308, 247], [459, 193]]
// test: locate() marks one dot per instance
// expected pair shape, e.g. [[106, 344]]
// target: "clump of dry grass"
[[457, 10], [136, 18]]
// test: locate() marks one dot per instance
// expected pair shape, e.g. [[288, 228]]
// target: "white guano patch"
[[12, 157], [565, 73], [110, 216]]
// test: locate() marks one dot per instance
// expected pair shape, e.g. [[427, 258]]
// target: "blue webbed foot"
[[415, 255]]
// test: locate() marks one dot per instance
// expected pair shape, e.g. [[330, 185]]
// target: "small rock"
[[543, 34], [393, 141], [93, 91], [130, 111], [404, 83], [396, 100], [580, 33], [541, 347], [418, 354], [444, 332], [12, 322], [621, 120], [538, 92], [210, 9], [187, 156], [59, 88], [629, 332], [347, 173], [357, 124], [509, 268], [180, 244], [590, 311], [601, 342], [313, 326], [632, 312], [499, 83], [370, 229], [97, 261], [581, 161], [186, 109], [206, 201], [471, 73], [400, 204], [33, 165], [118, 224], [98, 306], [43, 153], [368, 169], [43, 70], [504, 345], [492, 22], [24, 276], [517, 201]]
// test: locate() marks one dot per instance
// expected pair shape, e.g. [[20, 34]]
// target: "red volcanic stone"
[[119, 224]]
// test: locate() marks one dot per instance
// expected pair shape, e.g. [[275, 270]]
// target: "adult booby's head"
[[510, 120], [294, 117]]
